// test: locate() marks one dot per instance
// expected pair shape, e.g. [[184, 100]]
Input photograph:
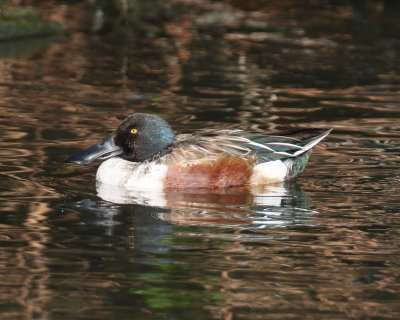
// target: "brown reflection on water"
[[338, 263], [291, 285], [325, 247], [324, 266], [25, 276]]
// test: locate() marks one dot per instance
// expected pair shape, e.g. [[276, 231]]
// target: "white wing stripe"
[[295, 146], [261, 146]]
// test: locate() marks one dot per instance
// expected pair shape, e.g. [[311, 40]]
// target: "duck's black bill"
[[103, 150]]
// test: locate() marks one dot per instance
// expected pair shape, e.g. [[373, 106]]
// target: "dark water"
[[325, 246]]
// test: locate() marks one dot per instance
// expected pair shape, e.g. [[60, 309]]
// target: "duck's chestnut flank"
[[144, 153], [225, 171]]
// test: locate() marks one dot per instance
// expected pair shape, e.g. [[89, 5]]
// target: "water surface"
[[325, 246]]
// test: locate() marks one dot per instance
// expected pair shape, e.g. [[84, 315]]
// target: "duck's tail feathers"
[[309, 143], [295, 147]]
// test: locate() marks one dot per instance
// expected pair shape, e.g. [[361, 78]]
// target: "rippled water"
[[325, 246]]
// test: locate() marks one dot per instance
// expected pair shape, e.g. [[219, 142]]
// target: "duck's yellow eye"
[[133, 131]]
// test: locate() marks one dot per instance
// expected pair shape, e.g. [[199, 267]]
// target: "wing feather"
[[207, 145]]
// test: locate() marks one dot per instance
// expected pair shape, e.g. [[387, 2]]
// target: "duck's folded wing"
[[289, 146], [209, 145]]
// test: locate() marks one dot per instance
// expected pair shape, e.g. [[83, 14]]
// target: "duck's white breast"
[[131, 175]]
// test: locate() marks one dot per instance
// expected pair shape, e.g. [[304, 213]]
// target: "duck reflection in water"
[[258, 207], [149, 217]]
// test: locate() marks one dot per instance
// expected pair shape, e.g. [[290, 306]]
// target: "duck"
[[143, 152]]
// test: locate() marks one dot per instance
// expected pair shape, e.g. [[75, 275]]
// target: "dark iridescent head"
[[138, 138]]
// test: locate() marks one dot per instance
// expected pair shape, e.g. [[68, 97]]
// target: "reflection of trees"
[[23, 136], [63, 96], [167, 231], [18, 21], [291, 282], [276, 270], [28, 262]]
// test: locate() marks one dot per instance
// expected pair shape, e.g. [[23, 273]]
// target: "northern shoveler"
[[144, 153]]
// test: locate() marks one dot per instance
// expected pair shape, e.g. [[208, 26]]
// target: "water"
[[325, 246]]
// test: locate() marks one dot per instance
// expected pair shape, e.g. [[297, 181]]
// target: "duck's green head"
[[138, 138]]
